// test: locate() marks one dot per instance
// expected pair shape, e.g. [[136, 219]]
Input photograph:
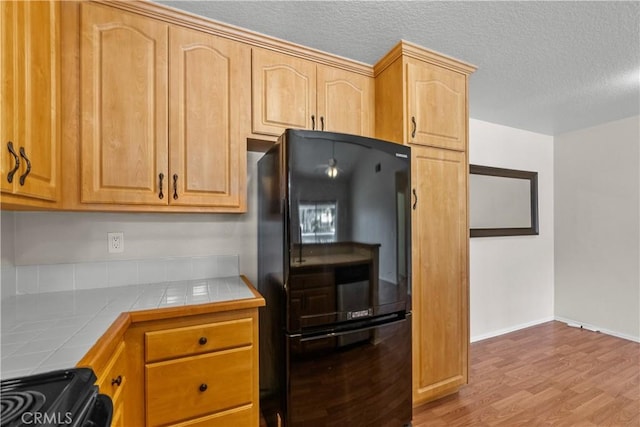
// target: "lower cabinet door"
[[182, 389]]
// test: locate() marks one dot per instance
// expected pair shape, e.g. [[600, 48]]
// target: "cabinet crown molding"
[[228, 31], [412, 50]]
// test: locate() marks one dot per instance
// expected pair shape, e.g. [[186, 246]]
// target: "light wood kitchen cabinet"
[[290, 92], [148, 139], [182, 365], [112, 382], [208, 119], [196, 370], [345, 101], [124, 141], [437, 106], [440, 272], [421, 100], [109, 359], [29, 103]]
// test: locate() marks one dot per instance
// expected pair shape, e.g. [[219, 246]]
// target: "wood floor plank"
[[546, 375]]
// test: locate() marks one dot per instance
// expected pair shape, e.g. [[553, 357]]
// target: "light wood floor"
[[546, 375]]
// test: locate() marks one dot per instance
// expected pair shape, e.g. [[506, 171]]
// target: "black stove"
[[58, 398]]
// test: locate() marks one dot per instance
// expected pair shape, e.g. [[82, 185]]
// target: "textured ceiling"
[[544, 66]]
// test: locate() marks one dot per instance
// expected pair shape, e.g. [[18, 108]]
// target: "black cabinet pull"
[[16, 160], [415, 199], [321, 122], [313, 122], [202, 340], [415, 126], [26, 159], [161, 194], [175, 186], [117, 381], [203, 387]]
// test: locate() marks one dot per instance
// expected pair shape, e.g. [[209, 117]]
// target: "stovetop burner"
[[66, 397], [15, 403]]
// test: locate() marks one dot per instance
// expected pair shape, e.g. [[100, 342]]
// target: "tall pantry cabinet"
[[421, 100]]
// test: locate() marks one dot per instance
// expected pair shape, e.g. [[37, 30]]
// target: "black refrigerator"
[[334, 266]]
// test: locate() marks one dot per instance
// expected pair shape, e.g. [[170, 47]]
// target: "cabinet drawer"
[[192, 340], [112, 380], [243, 416], [194, 386]]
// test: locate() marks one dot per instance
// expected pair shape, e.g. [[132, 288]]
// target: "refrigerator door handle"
[[347, 332]]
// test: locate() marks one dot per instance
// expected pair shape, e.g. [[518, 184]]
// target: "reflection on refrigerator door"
[[351, 378]]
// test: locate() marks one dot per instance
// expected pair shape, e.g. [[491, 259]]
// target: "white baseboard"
[[510, 329], [596, 328]]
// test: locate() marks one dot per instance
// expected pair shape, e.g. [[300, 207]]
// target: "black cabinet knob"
[[117, 381], [202, 340], [203, 387]]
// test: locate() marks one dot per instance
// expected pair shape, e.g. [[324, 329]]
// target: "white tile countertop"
[[54, 330]]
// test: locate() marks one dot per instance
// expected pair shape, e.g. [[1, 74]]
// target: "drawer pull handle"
[[202, 340], [117, 381], [203, 387], [161, 194]]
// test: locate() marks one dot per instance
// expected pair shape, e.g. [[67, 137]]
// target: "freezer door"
[[358, 377]]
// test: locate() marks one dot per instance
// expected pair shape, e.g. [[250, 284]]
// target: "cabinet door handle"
[[203, 387], [16, 160], [415, 199], [202, 340], [313, 122], [26, 159], [161, 194], [175, 186], [321, 122], [117, 381], [415, 126]]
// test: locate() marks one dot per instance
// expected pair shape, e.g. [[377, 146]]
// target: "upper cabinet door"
[[30, 98], [345, 101], [437, 105], [208, 119], [283, 91], [124, 107], [8, 64]]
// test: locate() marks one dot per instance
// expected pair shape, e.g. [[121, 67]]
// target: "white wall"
[[511, 278], [597, 217], [68, 237]]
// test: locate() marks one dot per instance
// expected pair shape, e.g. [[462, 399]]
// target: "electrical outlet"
[[116, 242]]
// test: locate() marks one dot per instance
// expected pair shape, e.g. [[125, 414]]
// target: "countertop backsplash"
[[34, 279]]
